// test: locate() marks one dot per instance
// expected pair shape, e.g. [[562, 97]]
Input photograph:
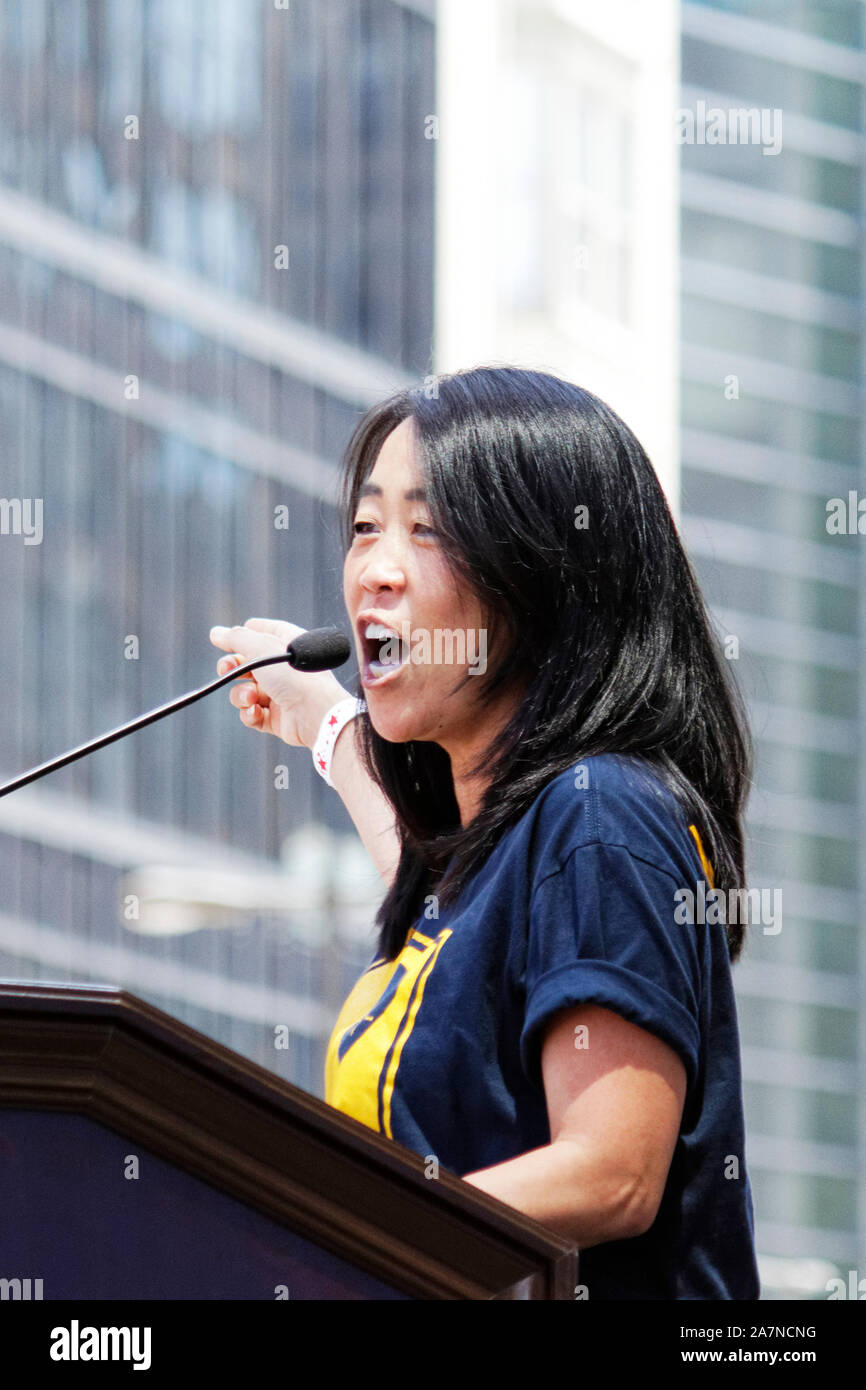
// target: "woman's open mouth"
[[384, 653]]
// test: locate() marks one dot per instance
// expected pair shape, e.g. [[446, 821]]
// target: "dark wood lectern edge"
[[102, 1052]]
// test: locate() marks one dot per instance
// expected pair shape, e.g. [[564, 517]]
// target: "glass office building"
[[772, 364], [216, 251]]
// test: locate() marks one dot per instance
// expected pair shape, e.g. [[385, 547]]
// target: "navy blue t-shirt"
[[439, 1049]]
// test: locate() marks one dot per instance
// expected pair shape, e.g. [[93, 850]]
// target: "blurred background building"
[[216, 250], [557, 199], [772, 363], [227, 229]]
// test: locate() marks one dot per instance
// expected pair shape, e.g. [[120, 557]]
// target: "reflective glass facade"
[[216, 250], [772, 364]]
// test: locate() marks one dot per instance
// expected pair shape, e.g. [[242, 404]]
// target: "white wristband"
[[329, 731]]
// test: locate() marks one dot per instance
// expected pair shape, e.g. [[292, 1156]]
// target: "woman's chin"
[[394, 730], [394, 722]]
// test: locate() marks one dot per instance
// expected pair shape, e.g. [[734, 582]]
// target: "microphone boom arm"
[[180, 703]]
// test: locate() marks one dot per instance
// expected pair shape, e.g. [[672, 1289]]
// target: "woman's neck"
[[467, 752]]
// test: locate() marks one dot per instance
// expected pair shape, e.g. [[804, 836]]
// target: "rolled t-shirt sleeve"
[[602, 931]]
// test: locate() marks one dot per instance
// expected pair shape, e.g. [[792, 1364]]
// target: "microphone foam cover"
[[320, 649]]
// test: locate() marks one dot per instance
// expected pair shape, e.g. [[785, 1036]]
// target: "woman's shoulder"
[[616, 800]]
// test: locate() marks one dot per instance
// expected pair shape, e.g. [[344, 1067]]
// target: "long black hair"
[[599, 624]]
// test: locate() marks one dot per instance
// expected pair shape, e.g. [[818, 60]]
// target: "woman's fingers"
[[232, 663], [258, 717], [239, 642], [251, 703], [262, 699], [250, 642], [275, 627], [253, 706], [247, 638], [221, 637], [248, 694]]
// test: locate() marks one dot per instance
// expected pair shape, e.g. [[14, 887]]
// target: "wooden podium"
[[141, 1160]]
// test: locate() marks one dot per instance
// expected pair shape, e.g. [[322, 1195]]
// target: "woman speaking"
[[546, 759]]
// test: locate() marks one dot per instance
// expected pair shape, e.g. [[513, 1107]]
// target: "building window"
[[208, 64], [209, 232], [565, 237], [593, 200], [520, 241], [25, 27]]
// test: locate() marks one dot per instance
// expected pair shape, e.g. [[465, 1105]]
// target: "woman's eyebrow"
[[414, 494]]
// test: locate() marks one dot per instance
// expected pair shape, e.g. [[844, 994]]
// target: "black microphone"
[[320, 649]]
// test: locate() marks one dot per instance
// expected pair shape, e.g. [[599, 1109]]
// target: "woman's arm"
[[369, 809], [615, 1107], [291, 705]]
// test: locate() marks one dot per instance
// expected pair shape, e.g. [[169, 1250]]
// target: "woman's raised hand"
[[275, 699]]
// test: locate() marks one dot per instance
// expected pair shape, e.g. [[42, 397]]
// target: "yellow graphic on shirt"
[[371, 1031], [707, 866]]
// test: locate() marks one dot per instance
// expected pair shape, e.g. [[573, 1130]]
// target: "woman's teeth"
[[390, 650]]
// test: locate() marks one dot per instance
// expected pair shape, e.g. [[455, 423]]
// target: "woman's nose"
[[384, 566]]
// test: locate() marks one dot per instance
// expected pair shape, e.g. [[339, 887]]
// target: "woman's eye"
[[364, 528]]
